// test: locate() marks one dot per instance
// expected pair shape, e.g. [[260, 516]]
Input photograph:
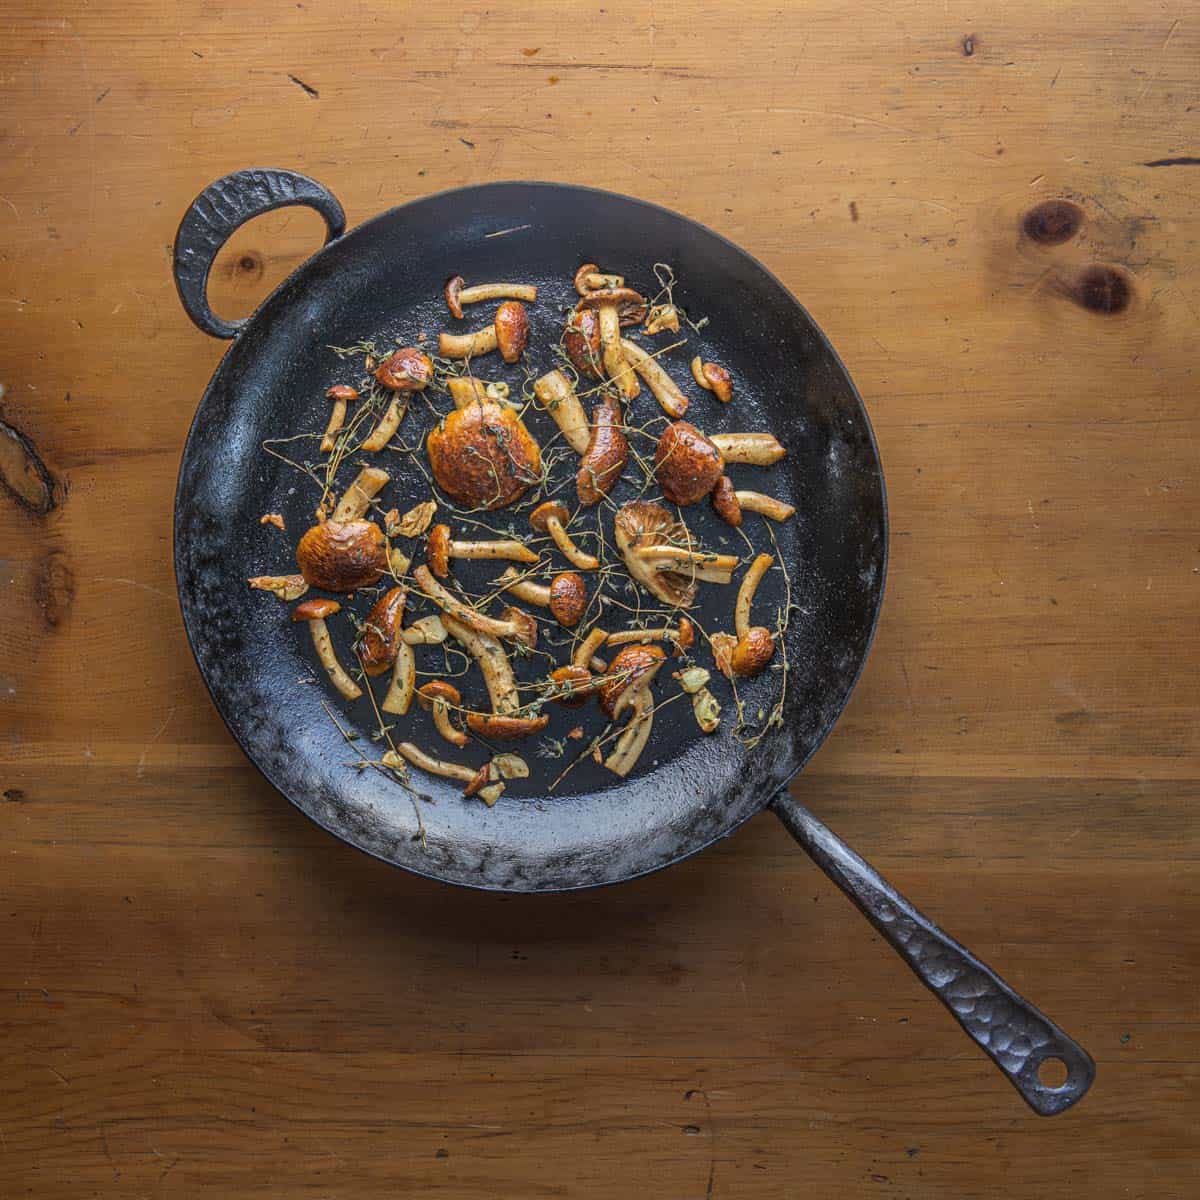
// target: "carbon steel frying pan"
[[385, 279]]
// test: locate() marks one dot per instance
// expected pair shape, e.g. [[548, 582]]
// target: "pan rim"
[[311, 263]]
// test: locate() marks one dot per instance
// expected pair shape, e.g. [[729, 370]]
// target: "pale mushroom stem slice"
[[466, 390], [713, 568], [633, 737], [497, 291], [468, 345], [745, 597], [388, 424], [672, 401], [340, 394], [525, 589], [493, 662], [428, 631], [756, 449], [615, 365], [506, 548], [466, 615], [358, 496], [434, 766], [286, 587], [323, 645], [558, 398], [398, 699], [585, 651], [767, 506]]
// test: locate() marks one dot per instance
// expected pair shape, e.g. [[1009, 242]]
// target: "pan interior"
[[383, 281]]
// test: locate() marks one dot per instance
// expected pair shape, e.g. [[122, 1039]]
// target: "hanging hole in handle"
[[1052, 1073], [259, 256]]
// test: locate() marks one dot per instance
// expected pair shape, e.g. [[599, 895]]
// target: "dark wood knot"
[[1052, 222]]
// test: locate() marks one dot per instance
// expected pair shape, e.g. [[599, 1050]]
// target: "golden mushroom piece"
[[341, 395], [315, 612], [581, 341], [513, 624], [439, 697], [457, 293], [483, 456], [713, 378], [687, 465], [509, 332], [627, 686], [753, 647], [381, 638], [551, 517], [606, 454], [565, 596], [342, 556], [440, 548]]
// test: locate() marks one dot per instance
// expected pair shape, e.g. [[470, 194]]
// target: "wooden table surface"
[[205, 994]]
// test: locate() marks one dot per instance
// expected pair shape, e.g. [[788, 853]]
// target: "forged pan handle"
[[1014, 1034], [221, 208]]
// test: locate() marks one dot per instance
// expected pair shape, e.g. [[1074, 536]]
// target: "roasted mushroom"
[[483, 456], [616, 307], [505, 727], [589, 278], [551, 517], [672, 401], [457, 293], [340, 394], [581, 341], [713, 378], [315, 612], [493, 663], [358, 496], [687, 465], [286, 587], [573, 685], [660, 317], [725, 502], [509, 331], [640, 523], [428, 631], [565, 596], [473, 777], [767, 506], [409, 369], [754, 646], [682, 636], [758, 449], [341, 556], [558, 398], [438, 696], [440, 548], [627, 686], [606, 454], [513, 624], [381, 638], [466, 389]]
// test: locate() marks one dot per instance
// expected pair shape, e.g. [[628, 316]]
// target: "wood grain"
[[203, 994]]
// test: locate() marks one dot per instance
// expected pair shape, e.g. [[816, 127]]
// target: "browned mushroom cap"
[[631, 305], [526, 624], [581, 341], [379, 644], [437, 550], [454, 285], [625, 671], [725, 502], [341, 391], [512, 330], [568, 598], [483, 456], [340, 556], [685, 639], [606, 454], [753, 651], [315, 610], [495, 725], [686, 464], [713, 377], [576, 684], [437, 689], [547, 511], [642, 523], [581, 277], [407, 370]]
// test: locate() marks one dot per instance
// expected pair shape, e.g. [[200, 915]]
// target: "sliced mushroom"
[[493, 663], [483, 456], [573, 685], [466, 389], [768, 506], [725, 502], [615, 366], [589, 277], [558, 398], [581, 341], [631, 305], [509, 331], [660, 317], [705, 707], [407, 752], [754, 646], [340, 556], [687, 465], [713, 378], [701, 564], [399, 696], [440, 548], [757, 449], [606, 454], [381, 638], [682, 636], [315, 612], [428, 631], [510, 766], [565, 596], [398, 562], [416, 520], [513, 624], [340, 394], [409, 369], [438, 696], [505, 727], [641, 523], [457, 293], [630, 675], [358, 496], [673, 402], [286, 587], [551, 517]]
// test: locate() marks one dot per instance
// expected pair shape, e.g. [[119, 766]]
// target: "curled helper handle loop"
[[220, 209], [1011, 1031]]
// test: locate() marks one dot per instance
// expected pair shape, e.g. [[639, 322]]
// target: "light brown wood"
[[204, 994]]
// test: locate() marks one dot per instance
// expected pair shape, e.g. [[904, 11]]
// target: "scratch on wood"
[[1170, 35], [307, 87]]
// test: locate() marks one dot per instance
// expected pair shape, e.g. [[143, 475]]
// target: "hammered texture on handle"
[[220, 209], [1016, 1036]]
